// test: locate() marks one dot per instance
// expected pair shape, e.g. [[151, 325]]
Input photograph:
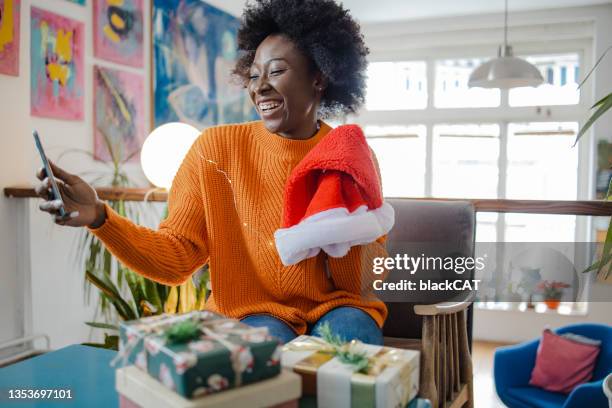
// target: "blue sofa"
[[512, 368]]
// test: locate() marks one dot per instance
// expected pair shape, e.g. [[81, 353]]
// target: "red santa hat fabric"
[[333, 199]]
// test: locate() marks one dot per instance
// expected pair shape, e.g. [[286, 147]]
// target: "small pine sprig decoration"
[[350, 353], [325, 332], [182, 332]]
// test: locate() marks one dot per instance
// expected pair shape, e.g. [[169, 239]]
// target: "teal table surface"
[[87, 373], [83, 370]]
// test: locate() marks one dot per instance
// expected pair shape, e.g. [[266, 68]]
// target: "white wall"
[[50, 299], [515, 327], [55, 305]]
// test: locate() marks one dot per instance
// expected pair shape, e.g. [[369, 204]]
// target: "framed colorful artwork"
[[119, 130], [57, 46], [194, 51], [118, 31], [9, 37]]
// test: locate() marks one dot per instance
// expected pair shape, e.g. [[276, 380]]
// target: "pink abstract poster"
[[118, 31], [57, 48], [9, 37], [118, 115]]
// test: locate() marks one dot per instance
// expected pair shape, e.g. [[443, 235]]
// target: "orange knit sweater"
[[224, 206]]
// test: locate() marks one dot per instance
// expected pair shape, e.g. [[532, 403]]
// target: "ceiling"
[[389, 10], [367, 11]]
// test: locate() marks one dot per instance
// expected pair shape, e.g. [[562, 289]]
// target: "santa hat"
[[333, 199]]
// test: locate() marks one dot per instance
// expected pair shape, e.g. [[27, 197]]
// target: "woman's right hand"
[[81, 203]]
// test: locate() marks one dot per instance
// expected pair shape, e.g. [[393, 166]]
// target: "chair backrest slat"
[[445, 228]]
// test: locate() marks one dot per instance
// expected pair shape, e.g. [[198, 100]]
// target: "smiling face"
[[284, 88]]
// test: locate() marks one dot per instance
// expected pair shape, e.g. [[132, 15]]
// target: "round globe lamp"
[[164, 150]]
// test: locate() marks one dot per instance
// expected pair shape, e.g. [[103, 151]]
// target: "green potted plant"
[[603, 266], [124, 294], [552, 292]]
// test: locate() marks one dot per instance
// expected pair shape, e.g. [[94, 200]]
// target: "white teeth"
[[268, 105]]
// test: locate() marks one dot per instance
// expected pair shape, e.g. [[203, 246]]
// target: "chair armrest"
[[512, 365], [444, 307], [587, 395]]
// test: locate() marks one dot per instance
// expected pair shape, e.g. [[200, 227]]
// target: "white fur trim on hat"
[[335, 231]]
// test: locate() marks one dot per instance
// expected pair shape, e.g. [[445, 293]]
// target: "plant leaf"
[[109, 145], [107, 262], [597, 265], [172, 300], [603, 108], [606, 253], [151, 294], [111, 341], [594, 66], [73, 150], [131, 155], [162, 291], [135, 289], [601, 101], [110, 292], [99, 325], [96, 345]]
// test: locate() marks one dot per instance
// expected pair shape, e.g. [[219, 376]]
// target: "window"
[[486, 226], [396, 85], [539, 228], [400, 151], [542, 164], [452, 89], [480, 143], [560, 74], [465, 160]]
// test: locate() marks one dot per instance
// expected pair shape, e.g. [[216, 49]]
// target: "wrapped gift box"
[[137, 389], [220, 354], [390, 381]]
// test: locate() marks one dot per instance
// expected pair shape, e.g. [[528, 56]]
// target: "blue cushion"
[[537, 397], [513, 365]]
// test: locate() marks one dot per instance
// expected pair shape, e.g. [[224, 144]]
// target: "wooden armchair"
[[437, 324]]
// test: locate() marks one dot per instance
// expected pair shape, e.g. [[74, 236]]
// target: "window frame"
[[501, 115]]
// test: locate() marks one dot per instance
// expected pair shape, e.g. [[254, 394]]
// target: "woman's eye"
[[277, 72]]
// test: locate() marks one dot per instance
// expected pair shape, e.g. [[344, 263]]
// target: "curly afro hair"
[[325, 32]]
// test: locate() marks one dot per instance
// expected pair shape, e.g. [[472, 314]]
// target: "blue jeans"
[[345, 321]]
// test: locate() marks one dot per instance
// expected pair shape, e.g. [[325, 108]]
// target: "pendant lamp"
[[506, 71]]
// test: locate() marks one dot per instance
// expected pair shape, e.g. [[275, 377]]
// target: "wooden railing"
[[105, 193], [597, 208]]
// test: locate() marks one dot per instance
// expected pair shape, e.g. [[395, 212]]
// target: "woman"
[[300, 61]]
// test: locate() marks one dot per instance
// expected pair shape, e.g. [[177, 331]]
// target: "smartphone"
[[54, 188]]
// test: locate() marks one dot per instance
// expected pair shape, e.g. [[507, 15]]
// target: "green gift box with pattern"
[[199, 353]]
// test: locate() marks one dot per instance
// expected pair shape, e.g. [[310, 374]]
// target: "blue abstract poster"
[[194, 51]]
